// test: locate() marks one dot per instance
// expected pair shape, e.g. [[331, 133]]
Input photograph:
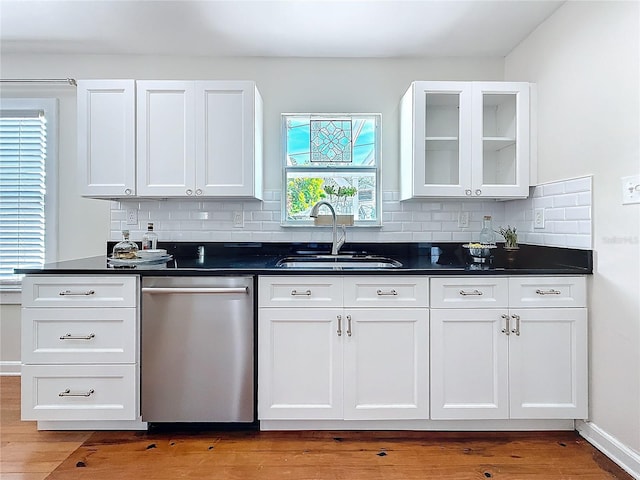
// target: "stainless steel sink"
[[337, 262]]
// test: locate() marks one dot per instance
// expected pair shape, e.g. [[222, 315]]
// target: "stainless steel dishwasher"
[[197, 351]]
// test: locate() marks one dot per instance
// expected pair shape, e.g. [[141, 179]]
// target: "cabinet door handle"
[[127, 191], [349, 325], [475, 292], [467, 192], [198, 191], [295, 293], [516, 330], [68, 336], [505, 330], [551, 291], [189, 192], [69, 293], [339, 325], [390, 292], [67, 393], [478, 192]]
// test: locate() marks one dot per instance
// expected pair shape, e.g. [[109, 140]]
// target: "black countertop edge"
[[228, 258]]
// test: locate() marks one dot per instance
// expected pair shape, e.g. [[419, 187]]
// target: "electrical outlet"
[[538, 218], [132, 216], [463, 219], [630, 189], [238, 219]]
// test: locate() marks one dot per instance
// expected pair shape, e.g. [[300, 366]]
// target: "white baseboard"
[[626, 458], [10, 368]]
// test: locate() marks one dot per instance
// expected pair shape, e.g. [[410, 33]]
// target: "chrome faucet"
[[337, 243]]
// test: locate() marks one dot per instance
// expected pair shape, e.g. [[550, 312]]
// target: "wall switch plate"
[[538, 218], [132, 216], [463, 219], [238, 219], [630, 189]]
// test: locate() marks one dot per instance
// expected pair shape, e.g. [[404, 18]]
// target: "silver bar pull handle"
[[209, 290], [68, 336], [69, 293], [339, 325], [505, 330], [390, 292], [67, 393], [306, 293], [349, 325], [516, 330], [551, 291], [465, 293]]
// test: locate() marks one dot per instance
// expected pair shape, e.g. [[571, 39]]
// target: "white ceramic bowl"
[[152, 253]]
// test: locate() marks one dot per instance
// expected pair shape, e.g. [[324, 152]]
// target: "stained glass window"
[[333, 158]]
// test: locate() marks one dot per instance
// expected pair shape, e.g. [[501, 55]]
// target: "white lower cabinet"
[[80, 348], [507, 362], [343, 362]]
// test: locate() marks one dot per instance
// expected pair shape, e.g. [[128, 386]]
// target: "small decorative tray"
[[129, 262]]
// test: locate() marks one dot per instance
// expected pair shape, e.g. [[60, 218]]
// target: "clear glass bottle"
[[126, 249], [150, 238], [487, 235]]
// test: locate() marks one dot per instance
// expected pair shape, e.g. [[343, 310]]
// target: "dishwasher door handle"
[[209, 290]]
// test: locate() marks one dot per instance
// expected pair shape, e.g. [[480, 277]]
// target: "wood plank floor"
[[32, 455]]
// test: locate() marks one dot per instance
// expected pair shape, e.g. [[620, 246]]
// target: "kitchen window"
[[28, 130], [335, 158]]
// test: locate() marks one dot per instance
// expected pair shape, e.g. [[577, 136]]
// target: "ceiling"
[[271, 28]]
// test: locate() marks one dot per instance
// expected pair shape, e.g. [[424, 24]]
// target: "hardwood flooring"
[[28, 454]]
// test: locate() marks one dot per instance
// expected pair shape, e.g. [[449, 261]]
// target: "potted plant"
[[339, 198], [510, 237]]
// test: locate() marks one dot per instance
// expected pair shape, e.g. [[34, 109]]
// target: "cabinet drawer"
[[71, 291], [469, 292], [79, 392], [384, 291], [79, 335], [300, 291], [547, 292]]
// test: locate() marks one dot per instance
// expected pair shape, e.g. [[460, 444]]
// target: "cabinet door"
[[469, 369], [441, 144], [226, 154], [166, 136], [500, 149], [106, 137], [548, 363], [386, 362], [300, 364]]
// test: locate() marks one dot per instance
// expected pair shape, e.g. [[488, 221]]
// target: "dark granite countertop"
[[261, 258]]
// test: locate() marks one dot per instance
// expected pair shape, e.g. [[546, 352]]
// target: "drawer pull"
[[464, 293], [306, 293], [67, 393], [390, 292], [548, 292], [69, 293], [68, 336]]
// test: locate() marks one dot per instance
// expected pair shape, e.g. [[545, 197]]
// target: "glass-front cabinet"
[[465, 139]]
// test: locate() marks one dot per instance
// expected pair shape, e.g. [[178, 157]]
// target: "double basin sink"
[[337, 262]]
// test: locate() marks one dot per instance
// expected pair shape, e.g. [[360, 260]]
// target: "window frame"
[[284, 222], [51, 112]]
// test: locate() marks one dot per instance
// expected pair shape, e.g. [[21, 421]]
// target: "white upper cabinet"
[[106, 137], [465, 139], [201, 138], [161, 138]]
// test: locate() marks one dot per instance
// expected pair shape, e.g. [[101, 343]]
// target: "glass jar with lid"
[[126, 249]]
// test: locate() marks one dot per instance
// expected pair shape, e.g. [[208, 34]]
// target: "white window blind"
[[23, 151]]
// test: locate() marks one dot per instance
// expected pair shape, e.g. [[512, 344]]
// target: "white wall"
[[585, 60], [287, 85]]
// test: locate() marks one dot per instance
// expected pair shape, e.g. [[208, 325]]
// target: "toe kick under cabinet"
[[80, 348], [343, 348], [508, 348]]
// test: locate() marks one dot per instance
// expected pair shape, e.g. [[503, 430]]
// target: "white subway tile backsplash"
[[567, 210]]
